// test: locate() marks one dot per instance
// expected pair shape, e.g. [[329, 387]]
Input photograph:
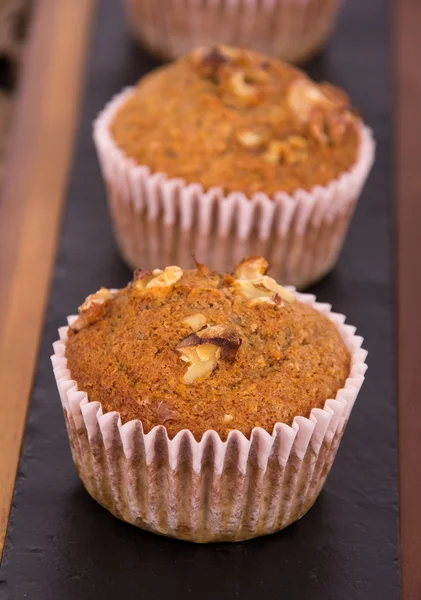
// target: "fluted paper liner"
[[160, 221], [207, 490], [290, 29]]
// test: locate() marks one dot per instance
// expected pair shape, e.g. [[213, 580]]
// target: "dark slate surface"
[[62, 545]]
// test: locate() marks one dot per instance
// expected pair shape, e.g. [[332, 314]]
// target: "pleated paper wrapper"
[[289, 29], [160, 221], [208, 490]]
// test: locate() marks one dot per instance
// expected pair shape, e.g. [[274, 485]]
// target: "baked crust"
[[240, 121], [200, 350]]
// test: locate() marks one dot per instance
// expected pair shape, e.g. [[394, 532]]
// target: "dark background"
[[62, 545]]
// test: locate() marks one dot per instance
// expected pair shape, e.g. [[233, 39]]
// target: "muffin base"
[[290, 29], [207, 490], [159, 221]]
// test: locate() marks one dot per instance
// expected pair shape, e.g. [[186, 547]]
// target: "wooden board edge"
[[407, 45], [30, 209]]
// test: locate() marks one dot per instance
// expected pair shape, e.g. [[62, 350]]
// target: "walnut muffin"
[[238, 120], [228, 153], [289, 29], [193, 399], [198, 350]]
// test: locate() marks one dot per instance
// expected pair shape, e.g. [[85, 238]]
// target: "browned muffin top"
[[199, 350], [238, 120]]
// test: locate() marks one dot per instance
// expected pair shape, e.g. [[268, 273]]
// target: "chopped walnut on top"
[[250, 268], [141, 278], [167, 277], [196, 321], [92, 309], [243, 89], [209, 60], [225, 337], [250, 139], [253, 283], [235, 70], [292, 150], [202, 361], [156, 279], [214, 63], [202, 350], [323, 108]]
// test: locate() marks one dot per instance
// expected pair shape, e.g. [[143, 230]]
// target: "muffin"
[[227, 153], [290, 29], [206, 406]]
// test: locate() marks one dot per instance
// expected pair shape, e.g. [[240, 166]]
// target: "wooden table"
[[30, 210]]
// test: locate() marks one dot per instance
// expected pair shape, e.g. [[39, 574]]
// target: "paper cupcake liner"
[[160, 221], [207, 490], [290, 29]]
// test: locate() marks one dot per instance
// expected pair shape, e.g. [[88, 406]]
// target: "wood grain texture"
[[30, 208], [408, 213]]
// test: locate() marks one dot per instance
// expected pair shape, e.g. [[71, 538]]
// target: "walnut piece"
[[252, 283], [291, 151], [92, 310], [226, 338], [228, 419], [256, 74], [196, 322], [247, 92], [233, 70], [251, 292], [250, 139], [210, 61], [270, 299], [250, 268], [323, 108], [283, 151], [334, 94], [202, 350], [268, 283], [215, 56], [275, 152], [141, 278], [201, 363], [303, 96], [156, 278], [165, 278]]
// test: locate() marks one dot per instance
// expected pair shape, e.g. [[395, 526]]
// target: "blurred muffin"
[[210, 406], [15, 17], [226, 153], [292, 30]]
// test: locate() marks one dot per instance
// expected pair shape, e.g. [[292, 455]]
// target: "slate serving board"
[[62, 545]]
